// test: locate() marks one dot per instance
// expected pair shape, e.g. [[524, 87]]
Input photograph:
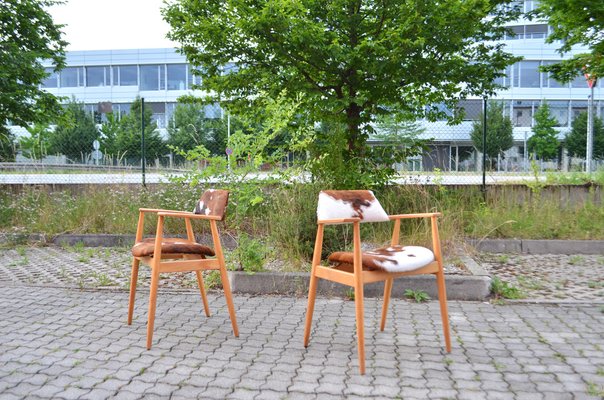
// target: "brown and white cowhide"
[[390, 259], [213, 202], [335, 204]]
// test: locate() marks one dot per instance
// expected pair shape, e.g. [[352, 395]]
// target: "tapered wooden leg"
[[229, 299], [312, 295], [444, 312], [133, 281], [358, 300], [387, 291], [202, 290], [152, 303]]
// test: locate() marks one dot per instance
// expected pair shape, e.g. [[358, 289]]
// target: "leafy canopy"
[[74, 133], [352, 59], [544, 141], [576, 139], [27, 37], [575, 22], [189, 127]]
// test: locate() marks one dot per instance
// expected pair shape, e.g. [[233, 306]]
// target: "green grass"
[[286, 221]]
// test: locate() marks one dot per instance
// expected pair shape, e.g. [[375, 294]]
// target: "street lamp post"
[[591, 82]]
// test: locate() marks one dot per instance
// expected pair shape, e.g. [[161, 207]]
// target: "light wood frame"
[[176, 262], [356, 277]]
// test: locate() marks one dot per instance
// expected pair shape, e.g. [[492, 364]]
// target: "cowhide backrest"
[[334, 204], [213, 202]]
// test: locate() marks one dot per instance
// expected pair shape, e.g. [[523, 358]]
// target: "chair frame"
[[178, 262], [356, 277]]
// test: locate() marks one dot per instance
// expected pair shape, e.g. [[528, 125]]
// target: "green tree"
[[189, 128], [74, 133], [128, 139], [544, 141], [351, 59], [109, 132], [576, 139], [35, 146], [27, 37], [575, 22], [499, 132]]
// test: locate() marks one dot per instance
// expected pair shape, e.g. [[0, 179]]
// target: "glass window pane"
[[535, 31], [128, 75], [529, 74], [95, 76], [52, 80], [149, 77], [522, 113], [559, 110], [177, 76], [69, 77], [516, 74], [577, 107], [579, 82]]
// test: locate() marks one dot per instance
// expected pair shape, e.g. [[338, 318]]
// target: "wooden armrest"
[[420, 215], [185, 214], [338, 221], [156, 210]]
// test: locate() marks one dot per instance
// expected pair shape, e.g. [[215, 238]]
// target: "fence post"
[[143, 138], [484, 147]]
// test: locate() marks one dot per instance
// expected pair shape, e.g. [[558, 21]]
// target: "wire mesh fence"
[[107, 147]]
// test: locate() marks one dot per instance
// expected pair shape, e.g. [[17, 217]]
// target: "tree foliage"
[[352, 59], [575, 22], [27, 37], [576, 139], [499, 135], [544, 141], [35, 145], [74, 133], [189, 128], [128, 138]]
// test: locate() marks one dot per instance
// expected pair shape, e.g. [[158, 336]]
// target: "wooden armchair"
[[181, 255], [383, 264]]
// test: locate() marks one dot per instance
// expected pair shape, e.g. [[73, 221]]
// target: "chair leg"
[[133, 281], [444, 312], [358, 300], [387, 291], [202, 290], [310, 308], [152, 303], [229, 299]]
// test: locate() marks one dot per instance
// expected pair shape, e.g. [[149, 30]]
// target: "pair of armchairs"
[[355, 268]]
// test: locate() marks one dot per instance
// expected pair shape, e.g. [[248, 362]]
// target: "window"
[[559, 110], [97, 76], [577, 107], [529, 74], [177, 76], [52, 80], [522, 114], [535, 31], [125, 75], [579, 82], [152, 77], [472, 109], [159, 113], [72, 77], [548, 79]]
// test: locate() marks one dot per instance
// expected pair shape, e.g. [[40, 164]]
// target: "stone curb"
[[531, 246], [459, 287], [527, 246]]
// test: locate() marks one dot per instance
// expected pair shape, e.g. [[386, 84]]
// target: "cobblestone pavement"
[[57, 341], [71, 344], [549, 276]]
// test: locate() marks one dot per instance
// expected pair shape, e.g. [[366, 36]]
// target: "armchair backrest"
[[335, 204], [213, 202]]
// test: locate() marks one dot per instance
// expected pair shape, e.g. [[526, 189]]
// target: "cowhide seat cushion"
[[390, 259], [170, 246]]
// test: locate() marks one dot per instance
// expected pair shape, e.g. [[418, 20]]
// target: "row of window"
[[526, 74], [523, 74], [522, 112], [146, 77]]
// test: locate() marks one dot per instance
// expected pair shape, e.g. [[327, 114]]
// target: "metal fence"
[[454, 153]]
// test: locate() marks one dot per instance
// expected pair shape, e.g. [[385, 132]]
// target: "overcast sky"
[[112, 24]]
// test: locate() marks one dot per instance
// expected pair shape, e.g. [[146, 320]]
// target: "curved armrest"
[[186, 214], [337, 221], [419, 215], [156, 210]]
